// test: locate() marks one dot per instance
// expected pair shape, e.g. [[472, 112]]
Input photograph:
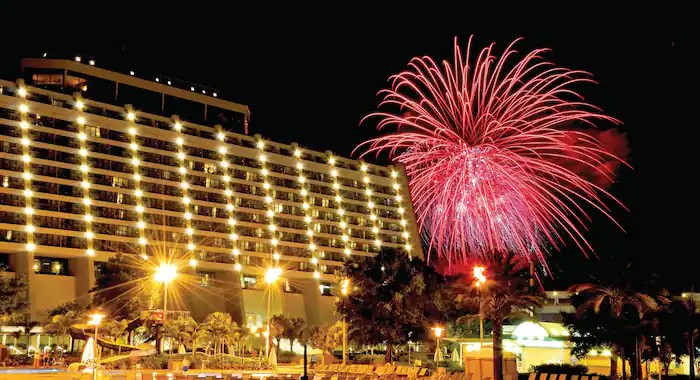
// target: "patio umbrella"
[[455, 355], [273, 357], [181, 350]]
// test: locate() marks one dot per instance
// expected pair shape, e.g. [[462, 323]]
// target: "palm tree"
[[186, 329], [505, 293], [219, 326], [621, 305], [61, 324], [679, 322], [294, 330]]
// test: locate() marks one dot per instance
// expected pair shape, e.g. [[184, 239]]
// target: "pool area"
[[10, 371]]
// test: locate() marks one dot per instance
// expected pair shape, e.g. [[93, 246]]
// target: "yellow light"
[[314, 260], [341, 211], [408, 247], [438, 331], [365, 179], [266, 185], [84, 168], [398, 198], [338, 198], [177, 126], [345, 286], [343, 224], [190, 246], [307, 219], [233, 236], [184, 185], [347, 251], [312, 247], [83, 152], [29, 228], [27, 193], [186, 200], [300, 166], [394, 174], [334, 173], [373, 216], [224, 164], [23, 108], [144, 256], [375, 230], [131, 116], [370, 204], [368, 192], [274, 241], [405, 234], [81, 120], [27, 175], [236, 252], [181, 155], [310, 232], [78, 58], [302, 179], [305, 206], [87, 201], [226, 178], [90, 252], [336, 186], [133, 146], [237, 267], [270, 213], [272, 274], [331, 161], [265, 172], [140, 224], [193, 263], [272, 227], [79, 105], [132, 131], [139, 209], [378, 242], [22, 92], [189, 230], [268, 199], [276, 256], [363, 167], [182, 170], [179, 141], [479, 274], [396, 186], [82, 136], [85, 184], [228, 192], [26, 158], [345, 238], [297, 153], [222, 149], [25, 141], [221, 136], [96, 319], [606, 352], [31, 247], [403, 222], [261, 144], [229, 207], [593, 353], [188, 215], [28, 210], [317, 274], [24, 125], [165, 273], [401, 210], [262, 158], [89, 235], [138, 193]]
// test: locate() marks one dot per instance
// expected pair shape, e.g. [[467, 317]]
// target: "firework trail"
[[492, 160]]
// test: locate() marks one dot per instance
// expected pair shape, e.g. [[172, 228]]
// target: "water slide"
[[85, 332]]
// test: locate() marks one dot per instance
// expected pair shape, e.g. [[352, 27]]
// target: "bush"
[[287, 357], [366, 359], [155, 361], [568, 369]]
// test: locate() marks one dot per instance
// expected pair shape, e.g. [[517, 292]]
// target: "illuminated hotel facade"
[[88, 172]]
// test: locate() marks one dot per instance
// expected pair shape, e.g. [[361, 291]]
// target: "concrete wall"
[[51, 291]]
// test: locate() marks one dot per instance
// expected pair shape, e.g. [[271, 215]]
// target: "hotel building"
[[96, 162]]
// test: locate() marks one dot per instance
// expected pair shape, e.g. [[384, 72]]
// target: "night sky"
[[312, 82]]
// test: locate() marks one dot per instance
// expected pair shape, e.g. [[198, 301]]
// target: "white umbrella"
[[455, 355], [273, 357], [181, 350]]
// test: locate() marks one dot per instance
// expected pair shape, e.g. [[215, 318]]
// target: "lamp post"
[[165, 274], [96, 319], [344, 289], [480, 278], [271, 276], [438, 333]]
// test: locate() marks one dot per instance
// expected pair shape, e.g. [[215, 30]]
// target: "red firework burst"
[[493, 161]]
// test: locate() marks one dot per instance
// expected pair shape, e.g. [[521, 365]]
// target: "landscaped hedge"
[[569, 369]]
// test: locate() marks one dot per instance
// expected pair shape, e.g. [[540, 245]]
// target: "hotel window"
[[249, 282], [206, 279], [325, 289], [92, 130]]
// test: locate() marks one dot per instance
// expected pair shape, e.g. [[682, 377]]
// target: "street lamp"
[[479, 279], [344, 290], [96, 319], [165, 273], [438, 333], [271, 276]]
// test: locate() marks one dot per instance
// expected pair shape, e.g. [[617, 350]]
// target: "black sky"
[[312, 81]]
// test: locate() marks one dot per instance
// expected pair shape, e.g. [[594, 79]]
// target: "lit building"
[[89, 171]]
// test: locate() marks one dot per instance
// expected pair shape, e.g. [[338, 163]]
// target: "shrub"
[[287, 357], [568, 369], [155, 361]]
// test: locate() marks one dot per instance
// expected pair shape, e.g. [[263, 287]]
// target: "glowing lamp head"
[[165, 273], [272, 274], [237, 267], [193, 263], [438, 331], [96, 319], [479, 274]]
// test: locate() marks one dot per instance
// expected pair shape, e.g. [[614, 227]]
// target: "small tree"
[[120, 289], [279, 324], [294, 330], [13, 298], [218, 325], [61, 324], [327, 338]]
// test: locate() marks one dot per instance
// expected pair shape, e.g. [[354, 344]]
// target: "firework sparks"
[[488, 147]]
